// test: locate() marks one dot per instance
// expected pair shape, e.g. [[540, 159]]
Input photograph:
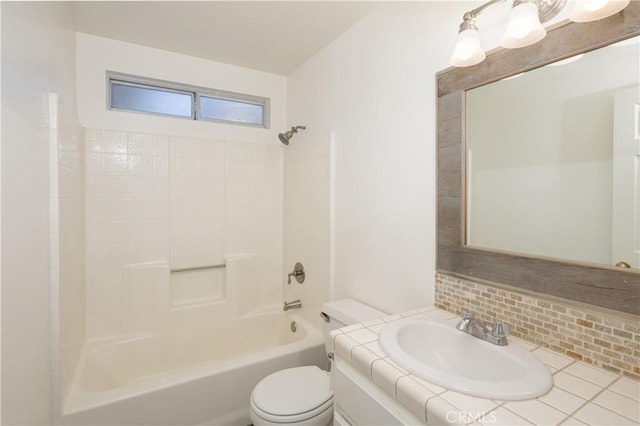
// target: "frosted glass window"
[[152, 100], [231, 110], [147, 95]]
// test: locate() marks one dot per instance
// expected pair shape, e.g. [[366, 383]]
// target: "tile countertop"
[[581, 395]]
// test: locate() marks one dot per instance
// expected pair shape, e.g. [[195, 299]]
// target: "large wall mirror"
[[538, 165], [551, 159]]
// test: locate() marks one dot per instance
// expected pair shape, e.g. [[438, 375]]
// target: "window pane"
[[227, 110], [147, 99]]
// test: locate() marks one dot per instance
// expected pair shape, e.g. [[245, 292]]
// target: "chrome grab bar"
[[198, 268]]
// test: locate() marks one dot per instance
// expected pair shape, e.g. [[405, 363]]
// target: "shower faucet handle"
[[298, 273]]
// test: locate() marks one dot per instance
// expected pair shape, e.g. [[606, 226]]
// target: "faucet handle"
[[467, 314], [298, 273], [500, 329]]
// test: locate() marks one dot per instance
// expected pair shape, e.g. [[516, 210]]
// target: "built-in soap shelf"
[[229, 281]]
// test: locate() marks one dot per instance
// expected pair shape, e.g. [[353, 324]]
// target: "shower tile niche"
[[160, 202]]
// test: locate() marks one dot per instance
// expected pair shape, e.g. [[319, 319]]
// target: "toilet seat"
[[293, 395], [295, 418]]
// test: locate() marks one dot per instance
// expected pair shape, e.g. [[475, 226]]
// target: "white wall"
[[38, 57], [96, 55], [375, 87], [68, 319]]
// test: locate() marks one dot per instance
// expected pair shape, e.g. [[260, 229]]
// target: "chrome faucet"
[[296, 304], [497, 335]]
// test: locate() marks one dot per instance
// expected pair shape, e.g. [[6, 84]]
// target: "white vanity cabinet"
[[357, 401]]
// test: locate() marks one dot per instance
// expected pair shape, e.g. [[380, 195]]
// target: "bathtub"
[[192, 377]]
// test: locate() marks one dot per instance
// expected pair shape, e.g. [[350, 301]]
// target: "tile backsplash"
[[603, 338]]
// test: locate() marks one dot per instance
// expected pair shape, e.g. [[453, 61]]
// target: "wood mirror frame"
[[599, 285]]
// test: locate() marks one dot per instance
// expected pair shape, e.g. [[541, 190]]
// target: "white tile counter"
[[581, 395]]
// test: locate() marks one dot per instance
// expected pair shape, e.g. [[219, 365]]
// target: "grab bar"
[[198, 268]]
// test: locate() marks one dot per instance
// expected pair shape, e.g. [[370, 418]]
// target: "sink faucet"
[[296, 304], [497, 335]]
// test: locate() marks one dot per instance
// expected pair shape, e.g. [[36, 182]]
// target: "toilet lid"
[[292, 391]]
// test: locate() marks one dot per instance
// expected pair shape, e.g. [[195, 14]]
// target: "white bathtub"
[[188, 378]]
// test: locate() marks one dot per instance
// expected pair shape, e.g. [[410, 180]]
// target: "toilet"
[[301, 395]]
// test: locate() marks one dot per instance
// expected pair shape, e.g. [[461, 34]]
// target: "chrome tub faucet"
[[497, 335], [296, 304]]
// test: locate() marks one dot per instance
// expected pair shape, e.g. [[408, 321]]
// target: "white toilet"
[[301, 395]]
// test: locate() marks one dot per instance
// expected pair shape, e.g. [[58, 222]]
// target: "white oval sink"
[[443, 355]]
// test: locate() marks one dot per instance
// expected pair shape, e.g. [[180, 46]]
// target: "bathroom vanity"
[[370, 389], [357, 401]]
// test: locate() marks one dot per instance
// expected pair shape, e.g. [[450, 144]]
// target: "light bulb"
[[468, 50], [524, 27], [593, 10]]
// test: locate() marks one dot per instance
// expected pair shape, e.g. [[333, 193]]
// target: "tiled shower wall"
[[307, 212], [598, 337], [155, 202]]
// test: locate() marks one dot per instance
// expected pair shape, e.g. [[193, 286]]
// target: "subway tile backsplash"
[[601, 338]]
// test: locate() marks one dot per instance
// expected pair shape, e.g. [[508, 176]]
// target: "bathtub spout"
[[296, 304]]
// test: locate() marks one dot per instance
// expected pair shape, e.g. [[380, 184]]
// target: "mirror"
[[552, 273], [552, 159]]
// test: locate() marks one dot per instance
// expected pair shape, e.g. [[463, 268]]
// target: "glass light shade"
[[524, 27], [593, 10], [468, 50]]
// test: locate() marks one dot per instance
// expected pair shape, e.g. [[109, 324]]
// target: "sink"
[[439, 353]]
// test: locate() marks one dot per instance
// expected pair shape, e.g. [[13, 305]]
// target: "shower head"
[[286, 136]]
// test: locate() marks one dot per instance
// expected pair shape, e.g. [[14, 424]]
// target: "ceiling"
[[271, 36]]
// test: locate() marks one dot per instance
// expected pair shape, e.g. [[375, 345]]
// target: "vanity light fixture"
[[593, 10], [524, 26], [468, 50]]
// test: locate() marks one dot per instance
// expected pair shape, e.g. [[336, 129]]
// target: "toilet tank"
[[344, 312]]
